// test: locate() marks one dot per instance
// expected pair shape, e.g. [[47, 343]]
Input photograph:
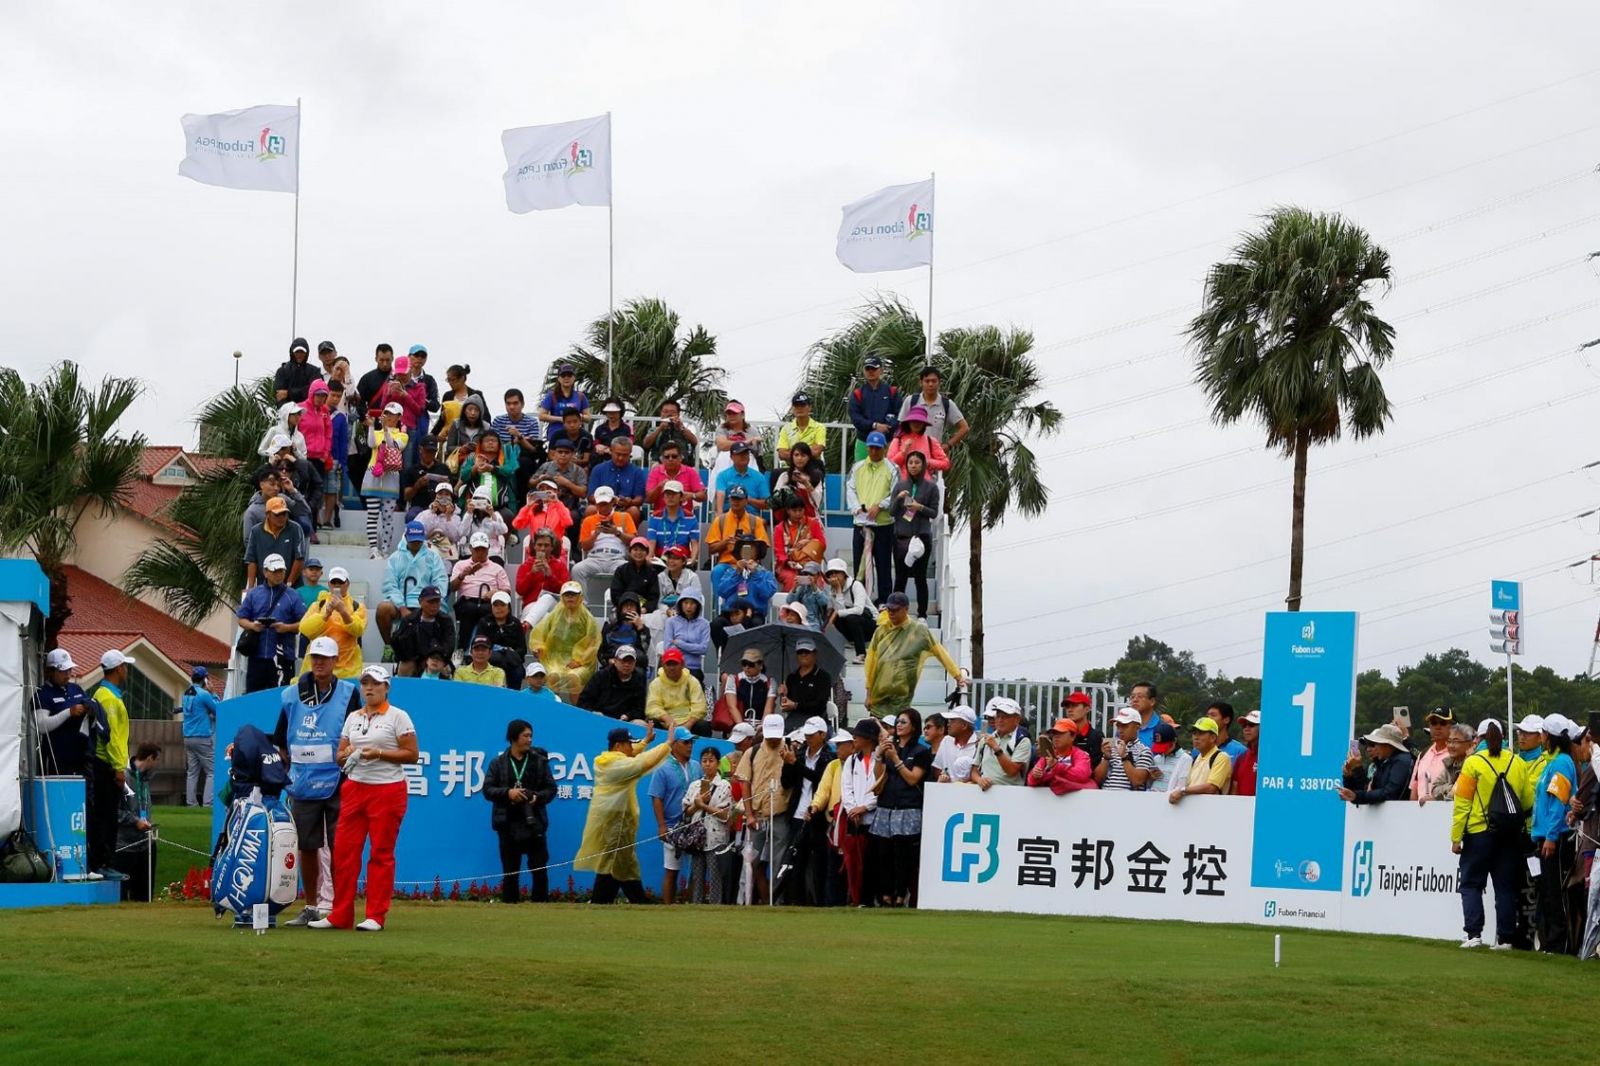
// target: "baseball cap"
[[431, 443], [639, 542], [841, 737], [299, 345], [1205, 725], [989, 714], [1127, 716], [673, 486], [1165, 739], [735, 406], [739, 447], [672, 655], [402, 364], [605, 494], [1441, 714], [313, 564], [482, 493], [415, 532], [324, 646], [1004, 705], [813, 726], [805, 645], [873, 363], [429, 592], [199, 673], [1065, 725], [611, 405], [274, 562], [618, 735], [393, 408], [282, 441], [877, 440], [1555, 724], [801, 399], [338, 573], [896, 599], [680, 734], [678, 551], [326, 346], [561, 444], [479, 539], [444, 488], [536, 667], [1078, 699], [811, 568], [418, 349], [566, 368], [572, 586], [500, 596], [1531, 724], [742, 731], [1254, 718], [276, 505], [59, 659], [1483, 726], [961, 713], [482, 641], [772, 727], [377, 673], [625, 651], [738, 493]]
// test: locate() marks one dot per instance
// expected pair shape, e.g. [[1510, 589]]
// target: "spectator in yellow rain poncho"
[[899, 647], [613, 826], [566, 641]]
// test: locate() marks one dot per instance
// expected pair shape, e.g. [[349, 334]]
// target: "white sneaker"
[[1501, 947], [1472, 942], [369, 925], [372, 553], [320, 923]]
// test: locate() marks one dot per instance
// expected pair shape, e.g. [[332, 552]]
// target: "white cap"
[[1483, 726], [479, 539], [798, 608], [772, 727], [376, 672], [58, 659], [443, 488], [1531, 724], [813, 726], [274, 562], [672, 486], [1254, 718], [888, 722], [536, 667], [572, 586], [113, 659], [605, 494], [1002, 705], [324, 646], [500, 596], [393, 408], [989, 712], [961, 712], [482, 493], [625, 651], [742, 731], [841, 737], [338, 573], [1127, 716], [836, 565], [1554, 724], [280, 442]]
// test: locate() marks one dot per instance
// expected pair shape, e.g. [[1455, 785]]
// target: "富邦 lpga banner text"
[[1134, 855]]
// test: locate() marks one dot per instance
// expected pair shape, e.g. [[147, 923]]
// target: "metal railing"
[[1041, 700]]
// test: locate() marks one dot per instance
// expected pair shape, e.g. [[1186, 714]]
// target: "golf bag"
[[255, 857]]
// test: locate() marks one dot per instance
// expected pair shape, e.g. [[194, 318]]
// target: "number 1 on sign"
[[1307, 702]]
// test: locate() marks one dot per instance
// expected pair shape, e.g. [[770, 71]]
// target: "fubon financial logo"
[[971, 853]]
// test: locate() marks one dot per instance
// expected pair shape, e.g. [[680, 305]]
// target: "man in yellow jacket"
[[106, 772], [675, 697], [612, 828], [900, 645], [336, 615]]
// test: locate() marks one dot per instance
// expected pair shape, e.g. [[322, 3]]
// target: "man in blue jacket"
[[412, 568], [270, 616], [874, 406], [199, 726], [310, 721]]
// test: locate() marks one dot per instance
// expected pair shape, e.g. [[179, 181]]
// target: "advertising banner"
[[460, 728], [1134, 855]]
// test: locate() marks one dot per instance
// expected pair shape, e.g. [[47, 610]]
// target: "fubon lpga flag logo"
[[558, 165], [271, 144], [918, 222], [581, 159], [881, 230]]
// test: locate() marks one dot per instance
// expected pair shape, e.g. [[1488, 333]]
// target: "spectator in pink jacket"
[[412, 396], [913, 437], [1066, 768], [316, 425]]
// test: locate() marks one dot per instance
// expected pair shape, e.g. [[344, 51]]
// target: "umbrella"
[[776, 641], [788, 864]]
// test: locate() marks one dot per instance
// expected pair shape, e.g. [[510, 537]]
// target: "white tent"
[[24, 601]]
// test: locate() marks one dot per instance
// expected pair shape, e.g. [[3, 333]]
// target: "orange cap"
[[1065, 725]]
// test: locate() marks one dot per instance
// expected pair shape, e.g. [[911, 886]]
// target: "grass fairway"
[[569, 983]]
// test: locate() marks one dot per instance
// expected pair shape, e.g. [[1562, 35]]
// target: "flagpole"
[[611, 263], [294, 284], [928, 333]]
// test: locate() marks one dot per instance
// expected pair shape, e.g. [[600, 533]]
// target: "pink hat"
[[918, 413], [402, 365], [735, 406]]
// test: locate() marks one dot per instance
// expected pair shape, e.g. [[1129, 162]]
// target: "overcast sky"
[[1092, 161]]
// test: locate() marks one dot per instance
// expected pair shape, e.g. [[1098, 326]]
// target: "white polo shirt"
[[953, 757], [381, 731]]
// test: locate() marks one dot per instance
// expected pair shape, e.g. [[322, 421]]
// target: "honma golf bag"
[[256, 855]]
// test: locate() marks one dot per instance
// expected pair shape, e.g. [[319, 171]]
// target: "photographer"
[[420, 480], [540, 577], [442, 524], [519, 784]]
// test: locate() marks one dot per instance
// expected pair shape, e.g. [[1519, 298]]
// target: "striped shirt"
[[680, 529], [1117, 775], [527, 425]]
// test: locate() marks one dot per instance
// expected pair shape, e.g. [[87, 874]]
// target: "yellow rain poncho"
[[613, 824], [894, 662], [563, 636], [315, 624]]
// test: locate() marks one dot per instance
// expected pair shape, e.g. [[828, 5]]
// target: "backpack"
[[1504, 812]]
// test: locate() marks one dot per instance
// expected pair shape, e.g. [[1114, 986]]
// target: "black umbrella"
[[776, 642]]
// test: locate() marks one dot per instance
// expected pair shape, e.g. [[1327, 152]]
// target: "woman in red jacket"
[[913, 437], [798, 539], [540, 577], [1066, 768]]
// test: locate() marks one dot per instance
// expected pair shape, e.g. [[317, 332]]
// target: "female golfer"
[[377, 740]]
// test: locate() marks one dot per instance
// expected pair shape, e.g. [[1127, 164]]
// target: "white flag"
[[892, 229], [254, 148], [558, 165]]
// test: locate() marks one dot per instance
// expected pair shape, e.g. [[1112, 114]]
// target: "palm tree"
[[61, 457], [652, 363], [989, 375], [196, 570], [1287, 336], [886, 327]]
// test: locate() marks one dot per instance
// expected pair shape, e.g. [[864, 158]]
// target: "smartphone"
[[1402, 715]]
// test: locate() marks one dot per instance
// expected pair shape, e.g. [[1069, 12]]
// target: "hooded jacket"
[[316, 426], [690, 636], [281, 428]]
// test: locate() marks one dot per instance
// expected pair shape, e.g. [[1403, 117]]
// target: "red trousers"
[[366, 811], [853, 847]]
